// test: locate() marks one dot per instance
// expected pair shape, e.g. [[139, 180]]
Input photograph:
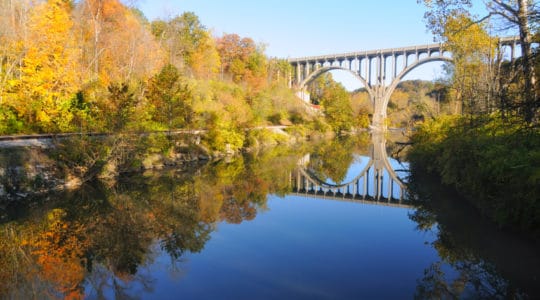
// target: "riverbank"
[[493, 163], [34, 166]]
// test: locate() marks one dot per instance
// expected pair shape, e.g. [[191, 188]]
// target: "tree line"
[[99, 65]]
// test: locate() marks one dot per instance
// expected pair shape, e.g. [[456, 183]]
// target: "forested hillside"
[[101, 66]]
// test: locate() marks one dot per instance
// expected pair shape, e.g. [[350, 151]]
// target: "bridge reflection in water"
[[377, 182]]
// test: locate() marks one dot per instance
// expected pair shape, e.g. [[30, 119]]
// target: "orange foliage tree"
[[117, 45], [205, 61]]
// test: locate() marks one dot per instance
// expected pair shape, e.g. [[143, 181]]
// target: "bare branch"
[[506, 7], [511, 19]]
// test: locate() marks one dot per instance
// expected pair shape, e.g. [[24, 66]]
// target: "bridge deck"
[[368, 53], [434, 47]]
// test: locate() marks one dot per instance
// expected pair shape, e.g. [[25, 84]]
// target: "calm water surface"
[[328, 222]]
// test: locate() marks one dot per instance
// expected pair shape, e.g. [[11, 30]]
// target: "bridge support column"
[[378, 121], [289, 75], [298, 73], [304, 95]]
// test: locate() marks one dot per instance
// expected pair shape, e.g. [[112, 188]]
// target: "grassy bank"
[[494, 163]]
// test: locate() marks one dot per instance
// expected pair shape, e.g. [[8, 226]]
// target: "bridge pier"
[[304, 95], [378, 97], [378, 121]]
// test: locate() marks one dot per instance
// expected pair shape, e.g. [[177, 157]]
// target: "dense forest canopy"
[[99, 65]]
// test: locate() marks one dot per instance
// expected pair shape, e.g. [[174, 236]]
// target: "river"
[[335, 220]]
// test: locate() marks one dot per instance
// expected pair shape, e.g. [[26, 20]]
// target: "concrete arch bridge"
[[379, 71]]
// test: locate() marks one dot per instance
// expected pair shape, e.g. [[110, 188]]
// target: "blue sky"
[[297, 28]]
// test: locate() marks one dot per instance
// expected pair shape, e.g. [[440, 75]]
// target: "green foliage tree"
[[318, 86], [181, 37], [337, 104], [337, 108], [121, 103], [493, 164], [170, 98], [222, 135]]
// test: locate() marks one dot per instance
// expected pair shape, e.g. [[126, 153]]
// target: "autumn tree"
[[118, 55], [256, 71], [117, 45], [520, 14], [48, 79], [243, 60], [473, 53], [204, 61], [232, 47], [14, 22], [13, 26], [91, 65]]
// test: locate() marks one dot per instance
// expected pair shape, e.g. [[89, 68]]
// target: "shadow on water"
[[488, 263]]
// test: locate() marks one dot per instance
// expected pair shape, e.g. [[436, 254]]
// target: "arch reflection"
[[376, 182]]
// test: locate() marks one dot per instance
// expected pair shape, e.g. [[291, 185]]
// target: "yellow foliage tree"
[[205, 61], [473, 52], [48, 77]]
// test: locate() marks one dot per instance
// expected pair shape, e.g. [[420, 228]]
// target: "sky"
[[297, 28]]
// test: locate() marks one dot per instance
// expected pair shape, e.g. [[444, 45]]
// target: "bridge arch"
[[399, 78], [312, 178], [326, 69], [372, 69], [371, 176]]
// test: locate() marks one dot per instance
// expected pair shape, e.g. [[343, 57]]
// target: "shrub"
[[494, 163]]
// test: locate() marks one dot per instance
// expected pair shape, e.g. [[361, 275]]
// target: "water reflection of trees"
[[102, 236], [332, 160], [478, 261]]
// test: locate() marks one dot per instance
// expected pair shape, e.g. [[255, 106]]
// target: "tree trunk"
[[531, 95]]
